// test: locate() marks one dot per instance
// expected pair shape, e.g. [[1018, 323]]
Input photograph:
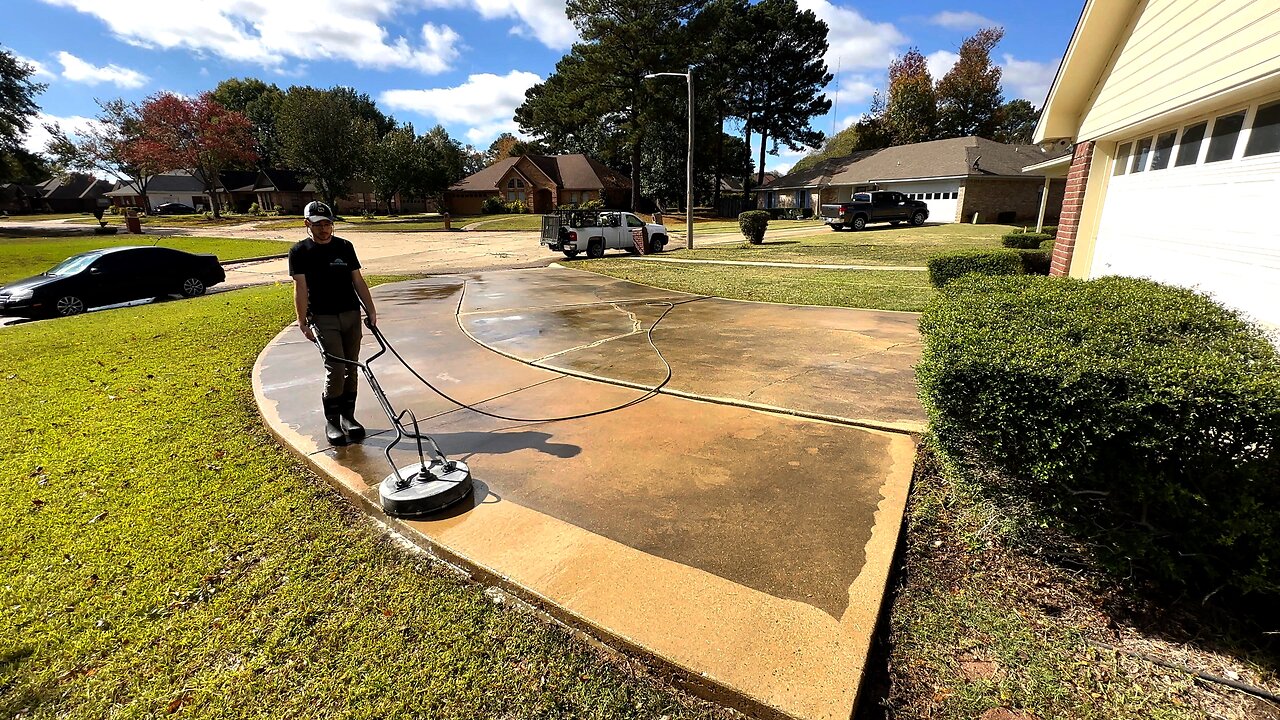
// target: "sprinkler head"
[[417, 489]]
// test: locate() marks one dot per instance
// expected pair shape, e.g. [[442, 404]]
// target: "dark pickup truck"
[[873, 207]]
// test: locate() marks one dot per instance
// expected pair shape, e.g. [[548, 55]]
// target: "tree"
[[1018, 120], [842, 144], [325, 135], [261, 103], [17, 109], [969, 96], [443, 162], [507, 145], [724, 42], [595, 100], [392, 163], [786, 88], [104, 147], [196, 134], [911, 113]]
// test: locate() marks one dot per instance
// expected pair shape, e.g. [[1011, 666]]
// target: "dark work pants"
[[339, 335]]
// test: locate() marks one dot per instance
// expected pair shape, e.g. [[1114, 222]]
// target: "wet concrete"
[[850, 365], [745, 549]]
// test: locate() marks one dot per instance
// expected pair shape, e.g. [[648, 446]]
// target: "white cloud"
[[37, 137], [542, 20], [42, 71], [485, 134], [277, 33], [964, 20], [854, 90], [855, 42], [485, 102], [77, 70], [1028, 79], [940, 63]]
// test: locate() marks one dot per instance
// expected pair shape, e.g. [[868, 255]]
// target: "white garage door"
[[1213, 226], [941, 197]]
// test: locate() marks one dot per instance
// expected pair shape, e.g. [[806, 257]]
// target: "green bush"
[[516, 207], [1024, 240], [493, 205], [1142, 418], [254, 209], [945, 268], [1036, 262], [753, 224], [596, 204], [1048, 244]]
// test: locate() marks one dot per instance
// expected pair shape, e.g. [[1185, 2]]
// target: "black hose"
[[1236, 684], [457, 313]]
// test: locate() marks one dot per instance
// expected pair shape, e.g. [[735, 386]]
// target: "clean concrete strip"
[[757, 263]]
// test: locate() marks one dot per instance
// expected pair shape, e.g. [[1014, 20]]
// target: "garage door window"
[[1122, 158], [1141, 155], [1164, 148], [1265, 136], [1226, 131], [1189, 148]]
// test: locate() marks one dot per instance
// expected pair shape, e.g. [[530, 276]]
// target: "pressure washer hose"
[[458, 312]]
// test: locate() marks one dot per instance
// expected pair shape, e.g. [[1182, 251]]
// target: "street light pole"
[[688, 178]]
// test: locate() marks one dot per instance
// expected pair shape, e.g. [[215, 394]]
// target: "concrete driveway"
[[737, 528]]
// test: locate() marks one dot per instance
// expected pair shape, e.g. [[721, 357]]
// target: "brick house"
[[1170, 121], [958, 178], [541, 182], [71, 193]]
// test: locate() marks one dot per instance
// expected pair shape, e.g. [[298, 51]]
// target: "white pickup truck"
[[594, 231]]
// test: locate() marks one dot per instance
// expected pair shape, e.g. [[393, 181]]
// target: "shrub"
[[1143, 418], [945, 268], [254, 209], [1048, 244], [1036, 262], [596, 204], [1024, 240], [493, 205], [753, 224], [516, 207]]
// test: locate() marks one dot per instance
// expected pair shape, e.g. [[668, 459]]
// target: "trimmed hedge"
[[1024, 240], [1142, 418], [945, 268], [1036, 262], [753, 224]]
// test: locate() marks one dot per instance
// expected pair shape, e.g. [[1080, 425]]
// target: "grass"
[[161, 553], [877, 289], [36, 217], [505, 222], [196, 220], [24, 256], [676, 223], [877, 245], [983, 620]]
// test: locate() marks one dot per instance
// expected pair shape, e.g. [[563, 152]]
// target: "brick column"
[[1065, 245]]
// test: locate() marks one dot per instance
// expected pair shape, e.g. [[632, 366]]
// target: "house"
[[541, 182], [958, 178], [1173, 109], [175, 186], [18, 199], [71, 193]]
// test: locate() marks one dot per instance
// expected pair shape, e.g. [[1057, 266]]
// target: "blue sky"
[[461, 63]]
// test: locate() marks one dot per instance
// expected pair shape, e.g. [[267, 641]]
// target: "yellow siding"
[[1181, 52]]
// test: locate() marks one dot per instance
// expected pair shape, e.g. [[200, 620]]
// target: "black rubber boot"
[[352, 427], [333, 422]]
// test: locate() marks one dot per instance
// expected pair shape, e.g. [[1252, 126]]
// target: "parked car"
[[879, 206], [594, 231], [174, 208], [110, 276]]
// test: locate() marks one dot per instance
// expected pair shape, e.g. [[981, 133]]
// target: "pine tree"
[[1018, 120]]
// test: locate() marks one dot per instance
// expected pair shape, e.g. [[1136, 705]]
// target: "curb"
[[241, 261]]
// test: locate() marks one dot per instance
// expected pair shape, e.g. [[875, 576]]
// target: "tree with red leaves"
[[196, 134]]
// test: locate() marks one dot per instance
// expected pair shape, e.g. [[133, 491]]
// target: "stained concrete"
[[746, 549]]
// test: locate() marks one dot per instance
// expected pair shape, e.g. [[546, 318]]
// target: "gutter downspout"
[[1044, 202]]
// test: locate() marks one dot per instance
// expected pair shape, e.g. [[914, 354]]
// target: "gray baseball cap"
[[317, 211]]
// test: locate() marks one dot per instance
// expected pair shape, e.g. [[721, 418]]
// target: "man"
[[328, 291]]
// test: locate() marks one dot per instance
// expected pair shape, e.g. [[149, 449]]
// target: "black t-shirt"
[[328, 268]]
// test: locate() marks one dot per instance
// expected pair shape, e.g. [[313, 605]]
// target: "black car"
[[109, 276], [173, 208]]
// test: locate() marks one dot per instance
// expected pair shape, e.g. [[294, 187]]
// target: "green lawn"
[[161, 553], [879, 289], [504, 222], [197, 220], [24, 256], [877, 245], [35, 217], [676, 223]]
